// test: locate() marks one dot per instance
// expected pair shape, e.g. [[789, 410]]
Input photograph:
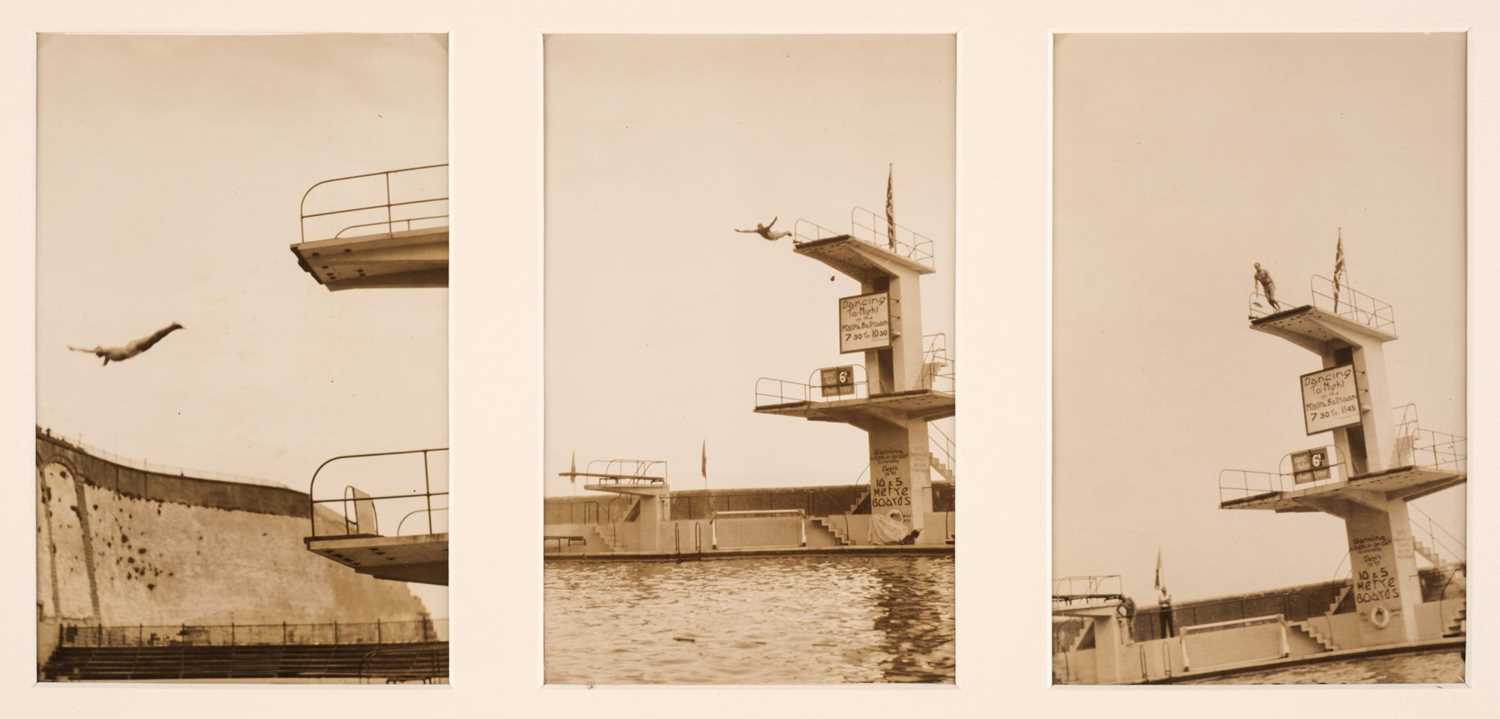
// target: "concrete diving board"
[[924, 404], [1313, 328], [419, 558], [859, 259], [408, 258], [1404, 482]]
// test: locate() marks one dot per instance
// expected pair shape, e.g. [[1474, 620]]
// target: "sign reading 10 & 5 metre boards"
[[1330, 399], [864, 322]]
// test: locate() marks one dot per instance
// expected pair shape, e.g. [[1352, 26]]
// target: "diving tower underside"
[[415, 558], [1399, 483], [1313, 327], [891, 408], [859, 258], [407, 258]]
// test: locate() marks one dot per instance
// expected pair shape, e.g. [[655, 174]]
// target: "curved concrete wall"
[[119, 546]]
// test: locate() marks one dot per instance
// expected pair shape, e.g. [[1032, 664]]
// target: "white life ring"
[[1380, 616]]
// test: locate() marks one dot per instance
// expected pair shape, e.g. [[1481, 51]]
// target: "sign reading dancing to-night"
[[1330, 399], [864, 322]]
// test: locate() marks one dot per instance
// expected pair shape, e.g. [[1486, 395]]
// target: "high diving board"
[[376, 230], [408, 258], [857, 258], [1407, 482], [415, 558], [1313, 327], [927, 404]]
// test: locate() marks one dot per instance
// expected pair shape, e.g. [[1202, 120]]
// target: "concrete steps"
[[1312, 633], [941, 467], [1339, 599], [863, 501], [832, 527], [1459, 624], [606, 535]]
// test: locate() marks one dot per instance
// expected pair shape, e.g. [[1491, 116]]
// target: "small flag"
[[1338, 270], [890, 207], [1158, 567], [704, 466]]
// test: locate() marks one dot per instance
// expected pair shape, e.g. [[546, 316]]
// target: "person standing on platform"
[[1164, 598], [1267, 286]]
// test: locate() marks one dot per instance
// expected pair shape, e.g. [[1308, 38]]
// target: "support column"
[[1384, 569]]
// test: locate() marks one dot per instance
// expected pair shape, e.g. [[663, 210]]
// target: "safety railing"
[[873, 229], [1438, 451], [171, 470], [1344, 301], [1448, 547], [627, 471], [770, 391], [400, 526], [1066, 590], [942, 447], [809, 231], [226, 635], [424, 664], [362, 502], [384, 202], [938, 370], [1241, 484]]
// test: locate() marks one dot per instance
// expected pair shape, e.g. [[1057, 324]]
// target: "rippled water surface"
[[769, 620], [1431, 668]]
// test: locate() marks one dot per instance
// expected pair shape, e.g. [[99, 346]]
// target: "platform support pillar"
[[1383, 567]]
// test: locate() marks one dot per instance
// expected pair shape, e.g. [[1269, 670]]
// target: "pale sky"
[[659, 318], [169, 175], [1179, 161]]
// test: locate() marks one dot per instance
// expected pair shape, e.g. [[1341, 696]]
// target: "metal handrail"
[[915, 247], [402, 523], [1430, 449], [388, 205], [428, 494], [771, 391], [872, 229], [1352, 305], [1088, 585], [388, 223], [1435, 540], [620, 469], [809, 231]]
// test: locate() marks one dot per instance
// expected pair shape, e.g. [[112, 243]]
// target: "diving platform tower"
[[379, 230], [905, 381], [1380, 460]]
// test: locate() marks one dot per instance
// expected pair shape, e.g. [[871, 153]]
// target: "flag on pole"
[[1338, 270], [704, 466], [890, 207], [1158, 567]]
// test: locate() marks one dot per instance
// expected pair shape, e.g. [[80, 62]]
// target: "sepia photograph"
[[1259, 359], [242, 358], [749, 359]]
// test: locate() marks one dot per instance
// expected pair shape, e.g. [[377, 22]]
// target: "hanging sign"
[[1330, 399], [864, 322]]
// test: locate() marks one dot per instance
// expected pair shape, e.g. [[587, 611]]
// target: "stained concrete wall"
[[118, 546], [690, 504]]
